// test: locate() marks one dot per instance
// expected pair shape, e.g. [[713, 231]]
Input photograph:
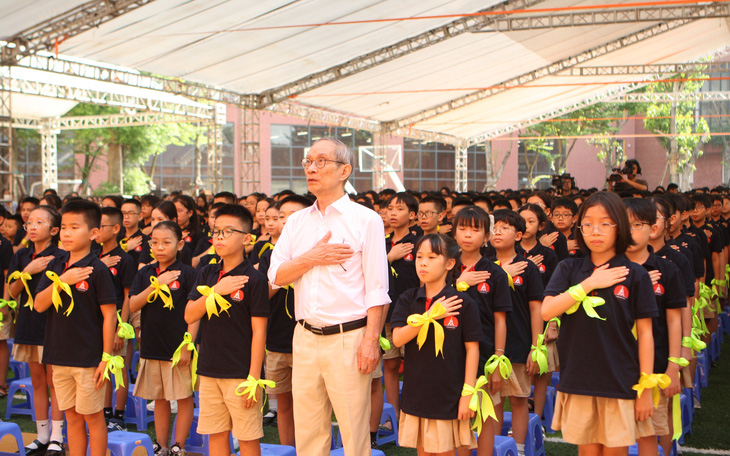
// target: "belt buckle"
[[318, 330]]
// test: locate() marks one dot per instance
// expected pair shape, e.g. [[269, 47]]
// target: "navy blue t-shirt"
[[601, 357], [282, 320], [684, 266], [549, 261], [122, 273], [401, 273]]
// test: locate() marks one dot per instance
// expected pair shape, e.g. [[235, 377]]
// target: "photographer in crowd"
[[625, 179]]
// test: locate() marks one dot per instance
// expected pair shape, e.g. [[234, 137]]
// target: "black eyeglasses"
[[319, 162], [226, 232]]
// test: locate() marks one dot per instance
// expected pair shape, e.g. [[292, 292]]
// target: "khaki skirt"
[[587, 420], [434, 436], [28, 353], [157, 380]]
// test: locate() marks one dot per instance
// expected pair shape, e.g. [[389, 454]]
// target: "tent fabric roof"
[[202, 41]]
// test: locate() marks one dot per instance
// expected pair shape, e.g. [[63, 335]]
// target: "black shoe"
[[270, 418], [40, 448], [374, 444], [61, 452]]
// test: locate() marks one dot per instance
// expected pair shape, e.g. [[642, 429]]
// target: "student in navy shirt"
[[271, 224], [564, 214], [165, 210], [524, 324], [233, 337], [667, 325], [600, 359], [487, 284], [131, 237], [435, 417], [205, 252], [44, 224], [164, 327]]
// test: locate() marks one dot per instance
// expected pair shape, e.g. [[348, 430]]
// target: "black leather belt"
[[334, 329]]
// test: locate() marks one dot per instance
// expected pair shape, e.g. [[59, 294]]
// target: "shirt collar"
[[241, 269], [588, 266], [175, 266], [85, 261], [340, 205]]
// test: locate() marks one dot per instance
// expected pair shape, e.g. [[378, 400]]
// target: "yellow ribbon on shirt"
[[480, 403], [462, 286], [126, 331], [265, 247], [25, 242], [511, 282], [114, 366], [56, 295], [540, 354], [504, 364], [123, 244], [424, 321], [24, 277], [213, 300], [589, 303], [250, 385], [188, 344], [12, 304], [653, 382], [392, 270], [162, 291], [253, 239]]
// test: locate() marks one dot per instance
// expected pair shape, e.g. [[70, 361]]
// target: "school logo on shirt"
[[621, 292], [517, 281], [483, 288], [552, 247], [541, 268], [83, 286], [659, 289], [138, 248], [113, 270], [451, 322], [572, 252], [188, 239], [408, 257], [175, 285], [237, 295]]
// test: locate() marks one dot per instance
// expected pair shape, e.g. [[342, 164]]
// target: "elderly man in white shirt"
[[334, 254]]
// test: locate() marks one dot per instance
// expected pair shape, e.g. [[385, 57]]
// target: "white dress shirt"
[[334, 294]]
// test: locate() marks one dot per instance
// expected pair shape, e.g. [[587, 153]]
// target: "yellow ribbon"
[[250, 385], [12, 304], [114, 366], [24, 277], [286, 297], [676, 417], [424, 321], [265, 247], [188, 344], [480, 403], [211, 250], [652, 382], [25, 242], [511, 282], [126, 331], [504, 364], [462, 286], [253, 239], [540, 354], [589, 303], [56, 295], [392, 270], [683, 362], [384, 343], [213, 298], [556, 320], [123, 244], [161, 291]]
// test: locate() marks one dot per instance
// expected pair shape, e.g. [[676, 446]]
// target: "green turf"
[[709, 429]]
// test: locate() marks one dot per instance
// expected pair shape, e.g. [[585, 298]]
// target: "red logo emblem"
[[188, 239], [542, 268], [621, 292], [113, 270], [138, 248], [83, 286], [451, 323], [552, 247], [408, 257], [517, 281], [175, 285], [572, 252], [483, 288], [237, 295], [659, 289]]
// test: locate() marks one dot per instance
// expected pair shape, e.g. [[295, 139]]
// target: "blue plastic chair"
[[341, 452], [22, 385], [534, 444], [123, 443], [197, 443], [136, 412], [384, 436], [12, 429], [634, 450], [277, 450], [548, 408], [20, 369], [686, 411]]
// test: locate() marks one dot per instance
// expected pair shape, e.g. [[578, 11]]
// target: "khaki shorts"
[[394, 352], [658, 424], [222, 410], [158, 380], [135, 319], [378, 371], [122, 351], [28, 353], [278, 369], [552, 358], [518, 383], [8, 329], [75, 388], [435, 436], [685, 377], [587, 420]]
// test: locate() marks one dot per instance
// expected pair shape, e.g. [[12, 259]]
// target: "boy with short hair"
[[80, 329], [27, 205], [524, 323], [131, 238], [564, 215], [431, 213], [123, 269], [281, 330], [234, 335]]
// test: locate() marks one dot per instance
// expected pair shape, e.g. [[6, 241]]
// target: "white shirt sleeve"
[[375, 264]]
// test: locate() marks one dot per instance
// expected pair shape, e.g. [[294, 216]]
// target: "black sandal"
[[3, 391]]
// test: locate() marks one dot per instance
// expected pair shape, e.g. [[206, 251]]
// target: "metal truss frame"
[[548, 70], [389, 53], [669, 97], [661, 68], [49, 153], [6, 140], [605, 17], [461, 166], [46, 35], [250, 150], [104, 121]]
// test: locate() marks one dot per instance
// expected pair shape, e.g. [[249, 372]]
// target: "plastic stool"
[[534, 444], [20, 369], [548, 408], [555, 380], [22, 385], [715, 346], [686, 410], [725, 321], [277, 450], [503, 446], [634, 450], [134, 365], [400, 392], [704, 362], [341, 452], [12, 429], [122, 443], [697, 385], [384, 436], [136, 412], [197, 443]]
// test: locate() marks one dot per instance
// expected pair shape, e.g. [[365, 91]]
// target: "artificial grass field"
[[710, 428]]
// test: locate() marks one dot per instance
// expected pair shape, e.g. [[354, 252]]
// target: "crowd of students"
[[490, 293]]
